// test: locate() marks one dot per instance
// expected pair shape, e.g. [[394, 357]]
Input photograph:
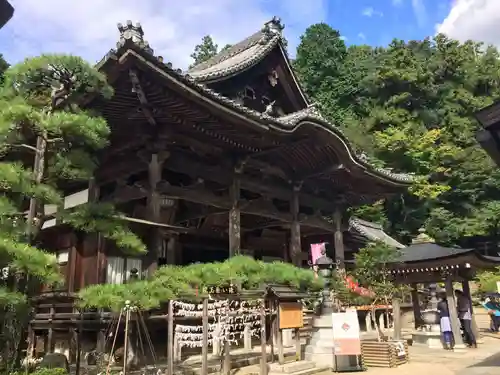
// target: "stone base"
[[295, 368], [320, 348], [429, 339]]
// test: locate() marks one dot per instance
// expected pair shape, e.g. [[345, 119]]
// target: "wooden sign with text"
[[290, 315], [224, 289]]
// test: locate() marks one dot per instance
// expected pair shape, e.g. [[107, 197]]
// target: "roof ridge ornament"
[[271, 28], [134, 34], [422, 238]]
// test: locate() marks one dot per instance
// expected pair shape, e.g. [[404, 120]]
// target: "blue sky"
[[173, 28], [378, 22]]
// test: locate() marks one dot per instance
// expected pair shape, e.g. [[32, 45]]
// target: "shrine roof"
[[243, 55], [430, 251], [427, 256], [373, 232], [238, 57], [132, 46]]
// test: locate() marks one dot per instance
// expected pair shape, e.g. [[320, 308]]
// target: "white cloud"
[[473, 19], [361, 36], [370, 12], [173, 28], [420, 12]]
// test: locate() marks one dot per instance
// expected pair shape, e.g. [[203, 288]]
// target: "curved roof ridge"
[[244, 54], [237, 62], [373, 231], [131, 39]]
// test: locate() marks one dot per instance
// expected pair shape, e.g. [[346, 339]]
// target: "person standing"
[[445, 323], [493, 310], [465, 317]]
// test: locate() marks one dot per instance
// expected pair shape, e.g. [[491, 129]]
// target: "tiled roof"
[[373, 232], [242, 55], [429, 251], [131, 39]]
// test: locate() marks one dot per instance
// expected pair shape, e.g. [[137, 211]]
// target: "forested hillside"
[[409, 106]]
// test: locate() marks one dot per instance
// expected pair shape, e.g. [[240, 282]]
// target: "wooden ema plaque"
[[290, 315]]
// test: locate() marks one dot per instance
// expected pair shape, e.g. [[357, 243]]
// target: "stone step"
[[314, 370], [291, 367]]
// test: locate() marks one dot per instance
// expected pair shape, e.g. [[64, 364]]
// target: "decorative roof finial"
[[135, 34], [274, 26], [422, 238]]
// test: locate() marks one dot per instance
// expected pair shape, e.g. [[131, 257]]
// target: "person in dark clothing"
[[465, 317], [445, 324]]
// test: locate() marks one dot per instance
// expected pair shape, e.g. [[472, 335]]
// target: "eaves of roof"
[[129, 47]]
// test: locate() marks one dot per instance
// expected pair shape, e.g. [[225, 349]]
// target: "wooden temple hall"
[[228, 158]]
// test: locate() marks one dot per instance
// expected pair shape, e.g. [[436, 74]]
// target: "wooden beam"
[[137, 88], [295, 247], [202, 212], [259, 207], [234, 230], [179, 164], [330, 169]]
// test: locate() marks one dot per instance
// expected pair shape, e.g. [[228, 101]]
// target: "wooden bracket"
[[137, 88]]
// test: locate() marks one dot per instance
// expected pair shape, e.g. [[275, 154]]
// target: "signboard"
[[223, 289], [346, 333], [290, 315]]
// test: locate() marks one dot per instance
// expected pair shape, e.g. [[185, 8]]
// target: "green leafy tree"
[[3, 67], [373, 266], [47, 142], [488, 281], [206, 50], [410, 107], [319, 61]]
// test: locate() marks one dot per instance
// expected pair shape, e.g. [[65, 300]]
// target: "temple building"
[[228, 158]]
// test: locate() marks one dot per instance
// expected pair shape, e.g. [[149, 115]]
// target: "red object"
[[354, 286]]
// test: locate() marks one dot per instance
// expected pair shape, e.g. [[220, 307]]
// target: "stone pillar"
[[338, 239], [396, 313], [295, 246], [455, 323]]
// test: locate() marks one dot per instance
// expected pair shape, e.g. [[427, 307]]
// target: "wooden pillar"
[[204, 348], [172, 249], [90, 266], [416, 305], [295, 246], [338, 239], [170, 338], [235, 215], [455, 323], [263, 343], [466, 290], [396, 314], [154, 212]]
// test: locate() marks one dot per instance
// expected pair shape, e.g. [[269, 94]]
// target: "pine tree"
[[46, 142]]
